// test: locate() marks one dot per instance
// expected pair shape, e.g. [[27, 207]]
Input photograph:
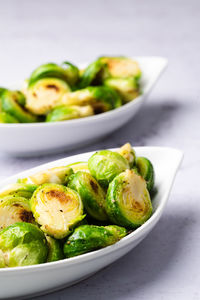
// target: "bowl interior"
[[166, 162], [151, 67]]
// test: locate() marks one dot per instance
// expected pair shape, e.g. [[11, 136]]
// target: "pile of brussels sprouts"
[[70, 210], [62, 92]]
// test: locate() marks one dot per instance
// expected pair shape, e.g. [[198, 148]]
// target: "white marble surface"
[[166, 264]]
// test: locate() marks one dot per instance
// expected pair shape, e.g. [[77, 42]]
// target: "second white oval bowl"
[[48, 277]]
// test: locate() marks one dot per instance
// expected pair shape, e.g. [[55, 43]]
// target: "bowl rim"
[[103, 115], [120, 244]]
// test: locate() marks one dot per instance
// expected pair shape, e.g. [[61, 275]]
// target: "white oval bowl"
[[28, 139], [48, 277]]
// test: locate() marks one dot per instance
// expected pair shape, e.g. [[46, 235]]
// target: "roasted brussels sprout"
[[80, 97], [55, 249], [49, 70], [19, 97], [90, 237], [105, 99], [92, 195], [2, 90], [64, 112], [79, 166], [104, 165], [67, 73], [127, 88], [57, 209], [121, 67], [22, 244], [146, 170], [45, 94], [54, 175], [71, 72], [12, 103], [7, 118], [128, 152], [18, 189], [128, 202], [2, 261], [93, 74], [101, 98], [14, 209]]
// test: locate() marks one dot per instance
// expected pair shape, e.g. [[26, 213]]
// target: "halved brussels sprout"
[[104, 165], [127, 88], [7, 118], [55, 249], [71, 71], [57, 209], [12, 102], [14, 209], [45, 94], [2, 261], [18, 189], [79, 97], [2, 90], [79, 166], [93, 74], [67, 72], [128, 202], [122, 67], [128, 152], [23, 244], [64, 112], [105, 99], [92, 195], [101, 98], [54, 175], [146, 170], [19, 97], [87, 238]]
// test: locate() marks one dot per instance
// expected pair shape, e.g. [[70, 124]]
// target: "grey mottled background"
[[165, 266]]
